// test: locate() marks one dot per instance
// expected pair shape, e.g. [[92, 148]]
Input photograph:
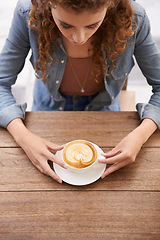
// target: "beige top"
[[74, 78]]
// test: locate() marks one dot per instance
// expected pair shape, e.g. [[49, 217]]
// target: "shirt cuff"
[[11, 112], [147, 110]]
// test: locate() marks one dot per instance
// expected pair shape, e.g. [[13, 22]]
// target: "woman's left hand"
[[123, 154], [126, 151]]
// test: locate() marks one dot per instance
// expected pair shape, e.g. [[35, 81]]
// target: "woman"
[[82, 52]]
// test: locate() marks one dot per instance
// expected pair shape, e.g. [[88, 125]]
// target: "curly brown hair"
[[113, 32]]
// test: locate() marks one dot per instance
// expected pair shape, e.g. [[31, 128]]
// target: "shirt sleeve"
[[12, 59], [148, 58]]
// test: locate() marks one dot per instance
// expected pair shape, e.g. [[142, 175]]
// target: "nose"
[[79, 36]]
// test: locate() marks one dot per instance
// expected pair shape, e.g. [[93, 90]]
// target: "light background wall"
[[24, 85]]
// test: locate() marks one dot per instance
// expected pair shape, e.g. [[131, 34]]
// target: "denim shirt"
[[47, 97]]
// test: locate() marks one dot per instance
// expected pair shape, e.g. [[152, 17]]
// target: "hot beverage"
[[79, 154]]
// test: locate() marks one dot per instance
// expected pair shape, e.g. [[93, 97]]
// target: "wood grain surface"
[[123, 206], [80, 215], [18, 174], [105, 129]]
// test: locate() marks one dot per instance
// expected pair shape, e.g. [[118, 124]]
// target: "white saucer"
[[79, 178]]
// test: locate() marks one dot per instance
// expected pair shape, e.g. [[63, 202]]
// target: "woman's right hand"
[[36, 148]]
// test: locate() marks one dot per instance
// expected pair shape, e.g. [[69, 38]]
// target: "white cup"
[[86, 168]]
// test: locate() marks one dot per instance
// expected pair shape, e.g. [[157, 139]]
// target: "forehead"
[[71, 17]]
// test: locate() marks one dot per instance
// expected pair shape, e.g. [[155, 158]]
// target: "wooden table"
[[125, 205]]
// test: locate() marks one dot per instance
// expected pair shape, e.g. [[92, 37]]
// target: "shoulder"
[[22, 11], [138, 9], [24, 6], [140, 17]]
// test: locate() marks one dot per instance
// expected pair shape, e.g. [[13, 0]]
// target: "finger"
[[50, 156], [111, 153], [101, 158], [49, 172], [39, 168], [114, 167], [54, 147], [111, 160]]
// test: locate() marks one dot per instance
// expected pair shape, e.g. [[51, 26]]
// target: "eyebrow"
[[91, 25]]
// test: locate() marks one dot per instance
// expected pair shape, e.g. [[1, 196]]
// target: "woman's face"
[[77, 28]]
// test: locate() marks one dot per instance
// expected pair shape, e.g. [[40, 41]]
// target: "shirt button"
[[57, 82], [60, 108], [62, 61], [125, 74], [76, 98], [112, 97]]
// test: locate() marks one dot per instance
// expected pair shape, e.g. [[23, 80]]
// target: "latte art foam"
[[79, 154]]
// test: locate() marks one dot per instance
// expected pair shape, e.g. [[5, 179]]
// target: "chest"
[[78, 51]]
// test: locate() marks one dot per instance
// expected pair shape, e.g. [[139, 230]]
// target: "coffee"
[[79, 154]]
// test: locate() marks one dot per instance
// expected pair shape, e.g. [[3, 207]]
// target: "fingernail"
[[65, 166], [63, 145], [60, 181], [101, 159]]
